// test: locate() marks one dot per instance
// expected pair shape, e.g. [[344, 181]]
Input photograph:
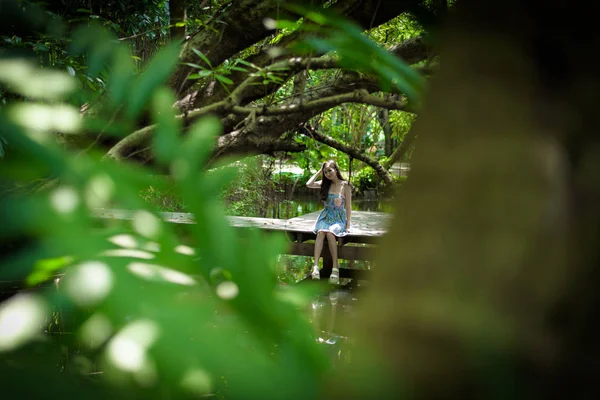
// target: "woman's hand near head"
[[312, 182]]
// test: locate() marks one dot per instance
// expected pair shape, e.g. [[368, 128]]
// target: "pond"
[[326, 312], [328, 308], [300, 205]]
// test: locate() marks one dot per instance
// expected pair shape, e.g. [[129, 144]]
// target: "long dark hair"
[[326, 183]]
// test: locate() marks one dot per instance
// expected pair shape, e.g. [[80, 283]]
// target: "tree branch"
[[366, 13], [308, 105], [358, 96], [241, 33], [349, 81], [401, 150], [250, 88], [351, 151]]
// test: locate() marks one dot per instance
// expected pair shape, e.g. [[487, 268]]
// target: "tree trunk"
[[368, 15], [401, 151], [177, 14], [384, 119], [242, 25], [350, 160], [487, 282]]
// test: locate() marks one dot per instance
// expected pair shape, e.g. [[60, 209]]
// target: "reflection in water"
[[326, 313], [329, 309], [293, 269]]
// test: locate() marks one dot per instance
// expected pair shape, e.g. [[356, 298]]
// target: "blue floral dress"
[[333, 217]]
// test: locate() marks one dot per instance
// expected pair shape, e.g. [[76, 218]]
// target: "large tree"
[[487, 287], [252, 123]]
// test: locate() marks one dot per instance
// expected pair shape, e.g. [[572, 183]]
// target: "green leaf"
[[194, 65], [166, 139], [202, 56], [316, 17], [45, 268], [40, 47], [218, 179], [97, 58], [201, 74], [285, 24], [121, 75], [224, 86], [224, 79], [199, 144], [320, 45], [155, 74], [352, 45], [249, 64]]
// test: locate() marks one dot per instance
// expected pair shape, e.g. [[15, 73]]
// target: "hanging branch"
[[351, 151], [401, 150]]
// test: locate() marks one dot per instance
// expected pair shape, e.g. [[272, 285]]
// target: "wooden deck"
[[367, 227]]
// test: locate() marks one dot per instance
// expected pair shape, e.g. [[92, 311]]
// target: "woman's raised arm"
[[312, 182]]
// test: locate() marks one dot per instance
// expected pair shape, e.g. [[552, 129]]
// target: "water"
[[285, 209], [327, 309], [330, 314]]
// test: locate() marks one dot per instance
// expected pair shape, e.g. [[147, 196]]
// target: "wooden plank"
[[261, 223], [367, 226], [344, 252], [364, 223], [188, 218]]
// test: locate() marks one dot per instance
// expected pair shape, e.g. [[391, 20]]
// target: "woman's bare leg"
[[335, 272], [318, 249]]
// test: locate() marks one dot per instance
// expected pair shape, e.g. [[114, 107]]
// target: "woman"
[[334, 220]]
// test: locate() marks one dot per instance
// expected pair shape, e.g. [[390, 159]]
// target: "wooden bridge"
[[367, 228]]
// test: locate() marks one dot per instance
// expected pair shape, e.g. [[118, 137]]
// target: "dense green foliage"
[[147, 28], [161, 312], [175, 323]]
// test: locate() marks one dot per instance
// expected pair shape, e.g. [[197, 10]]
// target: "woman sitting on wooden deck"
[[334, 220]]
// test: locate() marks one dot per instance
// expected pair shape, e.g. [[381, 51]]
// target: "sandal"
[[315, 273], [334, 278]]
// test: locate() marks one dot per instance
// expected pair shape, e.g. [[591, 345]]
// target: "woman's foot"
[[334, 278], [315, 273]]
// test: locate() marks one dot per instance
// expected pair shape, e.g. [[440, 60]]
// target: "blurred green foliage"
[[139, 308], [164, 200], [157, 317], [367, 180]]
